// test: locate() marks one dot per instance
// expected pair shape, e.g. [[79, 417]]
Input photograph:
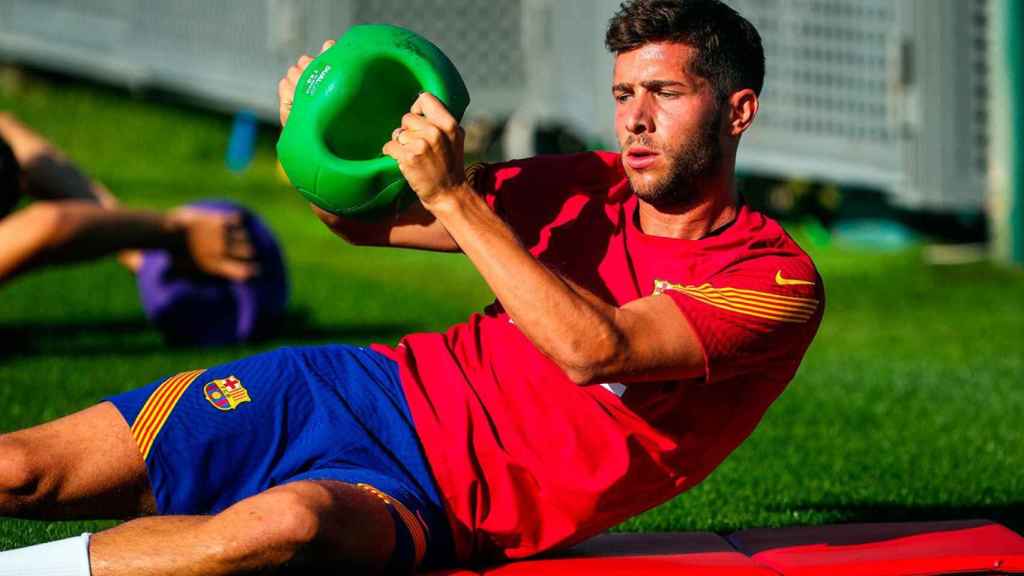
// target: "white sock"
[[68, 557]]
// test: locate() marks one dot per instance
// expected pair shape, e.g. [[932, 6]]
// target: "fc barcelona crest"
[[226, 394]]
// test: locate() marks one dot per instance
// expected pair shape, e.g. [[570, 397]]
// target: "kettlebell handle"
[[347, 102]]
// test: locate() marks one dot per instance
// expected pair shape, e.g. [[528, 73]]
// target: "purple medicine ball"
[[207, 311]]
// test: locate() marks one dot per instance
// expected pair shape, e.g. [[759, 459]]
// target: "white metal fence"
[[883, 93]]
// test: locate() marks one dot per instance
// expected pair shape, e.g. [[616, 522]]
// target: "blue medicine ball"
[[207, 311]]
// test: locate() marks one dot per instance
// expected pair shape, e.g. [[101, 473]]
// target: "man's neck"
[[714, 206]]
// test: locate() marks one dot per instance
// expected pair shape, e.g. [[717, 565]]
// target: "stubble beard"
[[687, 166]]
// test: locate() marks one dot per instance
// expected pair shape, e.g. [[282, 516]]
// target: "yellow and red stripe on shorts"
[[158, 408], [416, 529]]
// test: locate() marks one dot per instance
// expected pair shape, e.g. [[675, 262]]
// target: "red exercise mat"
[[689, 553], [914, 548]]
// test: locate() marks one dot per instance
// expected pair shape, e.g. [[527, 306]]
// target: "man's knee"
[[309, 521], [22, 481], [280, 527], [294, 520]]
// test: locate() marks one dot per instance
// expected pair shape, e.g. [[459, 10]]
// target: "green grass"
[[907, 407]]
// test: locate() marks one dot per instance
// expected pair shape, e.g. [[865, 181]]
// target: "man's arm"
[[592, 341], [76, 218], [48, 173], [414, 228], [46, 233]]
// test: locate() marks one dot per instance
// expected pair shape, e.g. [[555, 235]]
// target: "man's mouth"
[[639, 157]]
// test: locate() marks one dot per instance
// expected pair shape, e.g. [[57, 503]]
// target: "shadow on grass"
[[130, 336], [299, 327], [1010, 514]]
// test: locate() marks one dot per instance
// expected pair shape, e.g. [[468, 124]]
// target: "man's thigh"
[[304, 527], [86, 465]]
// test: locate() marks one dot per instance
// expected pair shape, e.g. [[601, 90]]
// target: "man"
[[645, 319], [75, 218]]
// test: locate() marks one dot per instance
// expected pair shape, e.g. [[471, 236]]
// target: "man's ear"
[[743, 106]]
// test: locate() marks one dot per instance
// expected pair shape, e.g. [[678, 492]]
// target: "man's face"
[[667, 120]]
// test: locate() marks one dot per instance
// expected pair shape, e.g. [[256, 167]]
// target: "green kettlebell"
[[347, 103]]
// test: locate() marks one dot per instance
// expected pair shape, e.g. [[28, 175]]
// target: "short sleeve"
[[484, 179], [534, 193], [754, 318]]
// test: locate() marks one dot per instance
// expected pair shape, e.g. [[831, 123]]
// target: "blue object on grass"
[[874, 233], [242, 143], [191, 309]]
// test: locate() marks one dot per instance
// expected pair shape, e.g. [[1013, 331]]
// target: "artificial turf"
[[907, 407]]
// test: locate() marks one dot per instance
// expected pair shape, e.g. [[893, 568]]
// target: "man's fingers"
[[404, 151], [417, 127], [241, 251], [327, 44], [413, 121], [239, 245], [285, 90], [428, 106], [393, 148], [285, 96], [294, 73], [238, 270]]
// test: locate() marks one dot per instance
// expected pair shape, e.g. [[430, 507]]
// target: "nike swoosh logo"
[[790, 282]]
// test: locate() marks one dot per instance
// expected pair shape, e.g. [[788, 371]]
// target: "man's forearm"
[[572, 327], [70, 231]]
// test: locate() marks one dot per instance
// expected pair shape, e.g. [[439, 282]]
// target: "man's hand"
[[214, 243], [286, 87], [429, 150]]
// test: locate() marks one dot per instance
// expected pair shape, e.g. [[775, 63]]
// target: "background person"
[[74, 218]]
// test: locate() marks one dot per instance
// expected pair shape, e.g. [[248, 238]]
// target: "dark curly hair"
[[10, 178], [729, 51]]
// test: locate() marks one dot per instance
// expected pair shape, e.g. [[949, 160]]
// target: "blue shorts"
[[213, 437]]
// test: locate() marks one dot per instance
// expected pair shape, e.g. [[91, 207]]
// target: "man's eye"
[[622, 97], [669, 95]]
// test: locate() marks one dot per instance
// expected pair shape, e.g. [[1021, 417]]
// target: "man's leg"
[[86, 465], [316, 525]]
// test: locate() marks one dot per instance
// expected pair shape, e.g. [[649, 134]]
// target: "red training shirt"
[[526, 459]]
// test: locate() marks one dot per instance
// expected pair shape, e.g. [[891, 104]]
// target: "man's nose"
[[638, 119]]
